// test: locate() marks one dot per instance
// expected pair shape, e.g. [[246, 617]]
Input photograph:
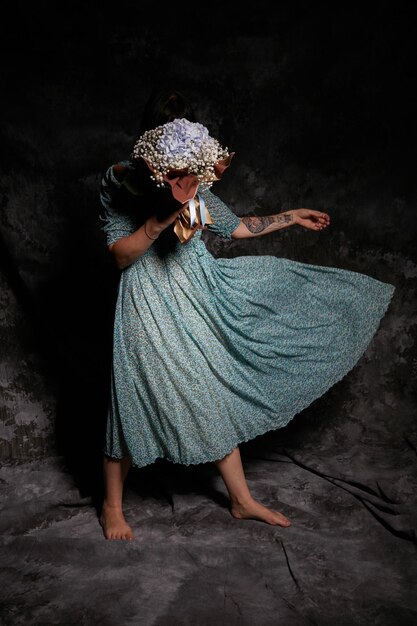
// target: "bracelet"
[[153, 238]]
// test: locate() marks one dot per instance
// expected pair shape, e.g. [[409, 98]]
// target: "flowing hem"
[[227, 449]]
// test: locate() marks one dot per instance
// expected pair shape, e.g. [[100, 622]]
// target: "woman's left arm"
[[254, 226]]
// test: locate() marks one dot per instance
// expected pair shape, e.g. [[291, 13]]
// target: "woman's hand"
[[159, 224], [314, 220]]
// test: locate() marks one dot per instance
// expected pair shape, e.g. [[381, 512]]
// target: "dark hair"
[[163, 105]]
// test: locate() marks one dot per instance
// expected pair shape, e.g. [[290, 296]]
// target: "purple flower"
[[182, 138]]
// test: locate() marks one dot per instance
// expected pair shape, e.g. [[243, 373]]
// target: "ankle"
[[114, 506], [242, 501]]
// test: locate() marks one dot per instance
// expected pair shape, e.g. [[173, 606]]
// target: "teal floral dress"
[[211, 352]]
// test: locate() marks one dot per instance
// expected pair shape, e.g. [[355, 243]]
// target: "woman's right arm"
[[127, 249], [124, 242]]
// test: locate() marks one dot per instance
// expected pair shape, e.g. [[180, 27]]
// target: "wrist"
[[153, 227], [293, 213]]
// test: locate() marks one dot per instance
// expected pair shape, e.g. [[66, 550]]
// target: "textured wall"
[[318, 108]]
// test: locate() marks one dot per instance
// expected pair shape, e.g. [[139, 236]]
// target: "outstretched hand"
[[314, 220]]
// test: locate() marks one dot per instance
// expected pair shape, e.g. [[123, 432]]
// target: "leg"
[[243, 506], [112, 519]]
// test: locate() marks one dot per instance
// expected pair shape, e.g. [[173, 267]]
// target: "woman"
[[209, 353]]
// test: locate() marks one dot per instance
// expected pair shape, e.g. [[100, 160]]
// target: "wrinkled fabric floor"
[[348, 558]]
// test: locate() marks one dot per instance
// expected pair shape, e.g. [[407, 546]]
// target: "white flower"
[[180, 144]]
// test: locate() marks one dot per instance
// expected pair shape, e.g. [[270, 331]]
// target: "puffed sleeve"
[[117, 222], [225, 221]]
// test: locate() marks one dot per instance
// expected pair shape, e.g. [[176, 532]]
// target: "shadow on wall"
[[83, 298], [57, 299]]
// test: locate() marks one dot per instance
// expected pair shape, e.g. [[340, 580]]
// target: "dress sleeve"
[[117, 223], [225, 221]]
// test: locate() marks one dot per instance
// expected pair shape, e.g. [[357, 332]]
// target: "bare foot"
[[256, 510], [114, 524]]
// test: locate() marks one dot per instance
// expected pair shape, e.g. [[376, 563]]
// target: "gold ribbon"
[[182, 224]]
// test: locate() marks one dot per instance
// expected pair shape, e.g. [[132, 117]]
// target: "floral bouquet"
[[183, 156]]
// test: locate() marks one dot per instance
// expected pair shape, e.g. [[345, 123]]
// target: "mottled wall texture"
[[316, 103]]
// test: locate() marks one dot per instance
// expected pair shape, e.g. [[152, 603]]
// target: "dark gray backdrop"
[[318, 105]]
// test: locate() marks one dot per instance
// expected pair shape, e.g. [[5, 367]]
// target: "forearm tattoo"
[[257, 224]]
